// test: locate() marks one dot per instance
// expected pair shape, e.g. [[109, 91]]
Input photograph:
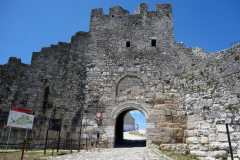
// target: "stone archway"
[[119, 113], [142, 77]]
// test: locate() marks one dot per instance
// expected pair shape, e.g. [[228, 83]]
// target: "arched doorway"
[[119, 113]]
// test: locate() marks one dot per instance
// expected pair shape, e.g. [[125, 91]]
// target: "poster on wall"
[[20, 118]]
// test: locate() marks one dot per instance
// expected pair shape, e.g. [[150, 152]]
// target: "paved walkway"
[[131, 148], [135, 153]]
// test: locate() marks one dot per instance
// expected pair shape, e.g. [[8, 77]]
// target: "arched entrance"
[[119, 113]]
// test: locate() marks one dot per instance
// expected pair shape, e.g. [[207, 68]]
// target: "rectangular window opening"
[[128, 44], [153, 42]]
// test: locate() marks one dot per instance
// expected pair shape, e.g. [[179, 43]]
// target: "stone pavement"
[[133, 147], [135, 153]]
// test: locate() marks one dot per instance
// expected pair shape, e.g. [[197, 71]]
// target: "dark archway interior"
[[119, 141]]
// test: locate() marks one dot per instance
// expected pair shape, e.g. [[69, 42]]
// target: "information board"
[[20, 118], [54, 124]]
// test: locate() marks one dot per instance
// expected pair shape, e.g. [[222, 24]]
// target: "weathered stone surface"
[[193, 118], [188, 133], [205, 126], [222, 137], [222, 128], [160, 106], [199, 153], [192, 125], [204, 140], [178, 132], [214, 114], [191, 140], [218, 154], [172, 106]]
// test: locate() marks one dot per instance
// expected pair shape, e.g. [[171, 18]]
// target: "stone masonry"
[[129, 62]]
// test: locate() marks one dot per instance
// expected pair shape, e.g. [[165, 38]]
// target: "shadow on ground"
[[130, 143]]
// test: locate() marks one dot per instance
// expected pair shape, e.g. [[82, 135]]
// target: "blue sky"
[[27, 26], [139, 118]]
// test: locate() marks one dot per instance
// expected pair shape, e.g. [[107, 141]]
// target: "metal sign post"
[[229, 141], [46, 138], [53, 124], [222, 122]]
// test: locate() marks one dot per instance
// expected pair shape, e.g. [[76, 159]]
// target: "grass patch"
[[177, 156], [31, 155]]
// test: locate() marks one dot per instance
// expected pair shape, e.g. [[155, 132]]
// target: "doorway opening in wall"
[[130, 129]]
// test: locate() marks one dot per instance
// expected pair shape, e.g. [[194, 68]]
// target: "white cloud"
[[134, 112]]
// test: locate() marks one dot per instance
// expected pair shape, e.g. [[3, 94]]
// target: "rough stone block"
[[154, 119], [150, 125], [205, 126], [153, 132], [159, 112], [172, 106], [204, 140], [238, 153], [166, 119], [175, 119], [177, 125], [165, 147], [192, 125], [182, 147], [196, 147], [233, 100], [159, 140], [183, 119], [199, 153], [188, 133], [192, 140], [193, 118], [213, 114], [178, 132], [222, 137], [222, 128], [160, 106], [212, 137], [218, 154]]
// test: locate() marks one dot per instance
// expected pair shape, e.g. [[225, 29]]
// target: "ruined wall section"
[[53, 86], [209, 93]]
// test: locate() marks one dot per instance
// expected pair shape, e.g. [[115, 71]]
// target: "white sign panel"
[[20, 120]]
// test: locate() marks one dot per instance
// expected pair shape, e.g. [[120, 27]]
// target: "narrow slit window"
[[128, 44], [153, 42]]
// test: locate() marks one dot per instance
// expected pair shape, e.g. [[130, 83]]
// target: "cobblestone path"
[[133, 147], [135, 153]]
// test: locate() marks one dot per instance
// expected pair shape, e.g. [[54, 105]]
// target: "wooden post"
[[27, 143], [53, 146], [59, 137], [46, 143], [23, 149], [71, 145], [86, 143]]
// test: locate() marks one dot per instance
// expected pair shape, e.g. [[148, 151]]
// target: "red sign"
[[98, 114], [22, 110]]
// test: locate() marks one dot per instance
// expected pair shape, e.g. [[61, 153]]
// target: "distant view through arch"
[[130, 129]]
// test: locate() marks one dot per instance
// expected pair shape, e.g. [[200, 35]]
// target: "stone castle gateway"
[[128, 62]]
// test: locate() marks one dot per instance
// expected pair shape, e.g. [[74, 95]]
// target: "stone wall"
[[98, 72], [128, 119]]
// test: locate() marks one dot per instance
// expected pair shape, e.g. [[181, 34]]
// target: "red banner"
[[22, 110]]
